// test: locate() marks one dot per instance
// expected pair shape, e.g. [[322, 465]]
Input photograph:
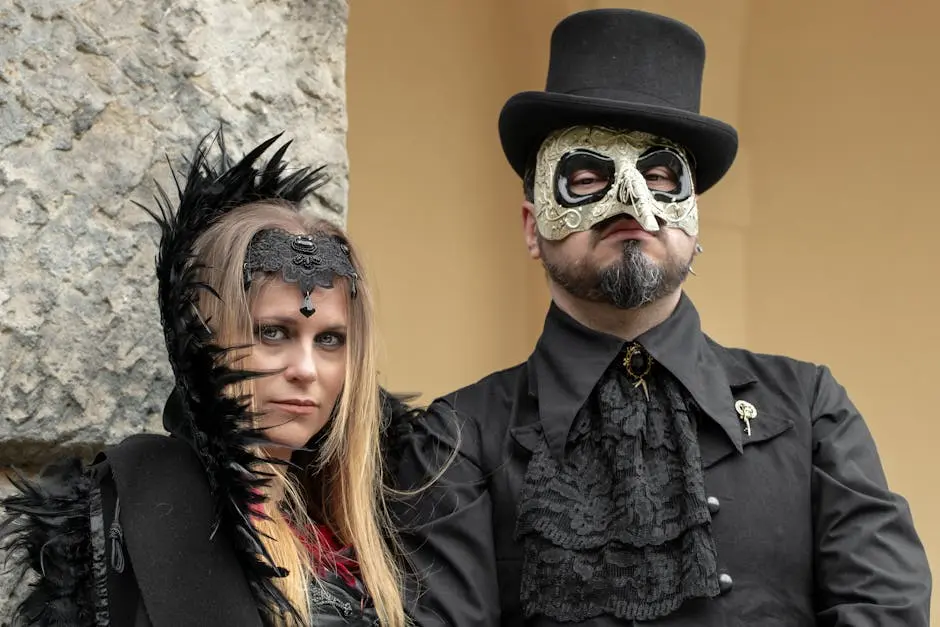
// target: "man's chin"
[[629, 254]]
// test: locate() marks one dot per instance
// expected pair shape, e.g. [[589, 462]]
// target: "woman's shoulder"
[[140, 514], [68, 490], [65, 528], [53, 532], [154, 461], [145, 469]]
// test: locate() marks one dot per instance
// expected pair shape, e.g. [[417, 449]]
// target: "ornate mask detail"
[[587, 174]]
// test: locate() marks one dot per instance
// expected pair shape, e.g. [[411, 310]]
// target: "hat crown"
[[627, 55], [622, 69]]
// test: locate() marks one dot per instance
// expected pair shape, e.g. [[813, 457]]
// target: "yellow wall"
[[432, 203], [841, 116], [813, 245]]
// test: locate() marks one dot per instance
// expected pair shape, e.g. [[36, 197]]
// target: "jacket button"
[[713, 505], [725, 583]]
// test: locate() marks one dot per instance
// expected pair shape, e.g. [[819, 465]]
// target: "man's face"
[[585, 175], [612, 257], [617, 262]]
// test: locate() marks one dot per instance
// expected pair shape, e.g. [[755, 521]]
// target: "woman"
[[265, 504]]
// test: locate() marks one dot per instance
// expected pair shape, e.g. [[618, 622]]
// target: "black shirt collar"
[[569, 359]]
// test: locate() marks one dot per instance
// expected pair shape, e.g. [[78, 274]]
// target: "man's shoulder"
[[776, 370], [494, 390], [757, 358]]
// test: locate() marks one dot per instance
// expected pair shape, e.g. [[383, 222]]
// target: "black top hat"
[[624, 69]]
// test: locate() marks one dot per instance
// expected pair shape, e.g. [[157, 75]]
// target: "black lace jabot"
[[621, 526]]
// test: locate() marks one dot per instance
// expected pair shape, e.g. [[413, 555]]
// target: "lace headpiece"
[[311, 261]]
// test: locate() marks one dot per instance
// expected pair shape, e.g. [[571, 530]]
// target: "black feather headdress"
[[219, 426]]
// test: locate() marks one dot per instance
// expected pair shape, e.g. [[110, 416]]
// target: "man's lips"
[[626, 227]]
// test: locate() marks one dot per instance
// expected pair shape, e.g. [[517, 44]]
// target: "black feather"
[[398, 420], [221, 427], [48, 529]]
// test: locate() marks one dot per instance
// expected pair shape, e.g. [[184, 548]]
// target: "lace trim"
[[621, 526], [630, 583]]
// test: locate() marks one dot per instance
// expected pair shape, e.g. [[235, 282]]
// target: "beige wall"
[[841, 265], [435, 206], [813, 248]]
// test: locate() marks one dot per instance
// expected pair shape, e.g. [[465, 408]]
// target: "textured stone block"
[[94, 95]]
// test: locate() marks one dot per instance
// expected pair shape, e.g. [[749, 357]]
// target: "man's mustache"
[[601, 226]]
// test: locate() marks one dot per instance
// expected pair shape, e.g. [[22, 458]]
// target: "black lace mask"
[[311, 261]]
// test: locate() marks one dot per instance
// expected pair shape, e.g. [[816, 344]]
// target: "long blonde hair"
[[349, 468]]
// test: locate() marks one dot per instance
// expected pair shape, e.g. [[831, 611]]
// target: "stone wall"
[[94, 96]]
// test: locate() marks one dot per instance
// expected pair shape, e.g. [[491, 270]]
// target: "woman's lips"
[[299, 408]]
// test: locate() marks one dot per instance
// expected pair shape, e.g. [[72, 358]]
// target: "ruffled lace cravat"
[[621, 526]]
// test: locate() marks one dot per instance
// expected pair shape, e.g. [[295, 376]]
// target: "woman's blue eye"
[[272, 333], [331, 340]]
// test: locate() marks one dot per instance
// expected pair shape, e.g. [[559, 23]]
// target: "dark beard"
[[630, 283]]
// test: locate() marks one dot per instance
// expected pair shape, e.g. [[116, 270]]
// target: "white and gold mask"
[[586, 174]]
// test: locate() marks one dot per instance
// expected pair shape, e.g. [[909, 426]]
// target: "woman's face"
[[310, 355]]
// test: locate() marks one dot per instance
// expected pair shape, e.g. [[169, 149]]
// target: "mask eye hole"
[[587, 182], [667, 174], [661, 179], [583, 177]]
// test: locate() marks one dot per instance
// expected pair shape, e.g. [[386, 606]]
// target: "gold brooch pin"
[[747, 413], [638, 364]]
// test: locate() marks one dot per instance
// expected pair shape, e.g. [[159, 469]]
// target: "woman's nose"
[[303, 366]]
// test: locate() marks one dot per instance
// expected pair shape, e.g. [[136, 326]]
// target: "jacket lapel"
[[744, 385]]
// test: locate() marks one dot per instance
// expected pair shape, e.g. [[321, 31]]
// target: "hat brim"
[[529, 117]]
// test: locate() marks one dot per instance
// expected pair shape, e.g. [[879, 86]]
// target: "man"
[[632, 469]]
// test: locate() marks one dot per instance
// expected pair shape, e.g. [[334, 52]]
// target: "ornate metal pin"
[[747, 413], [638, 364]]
